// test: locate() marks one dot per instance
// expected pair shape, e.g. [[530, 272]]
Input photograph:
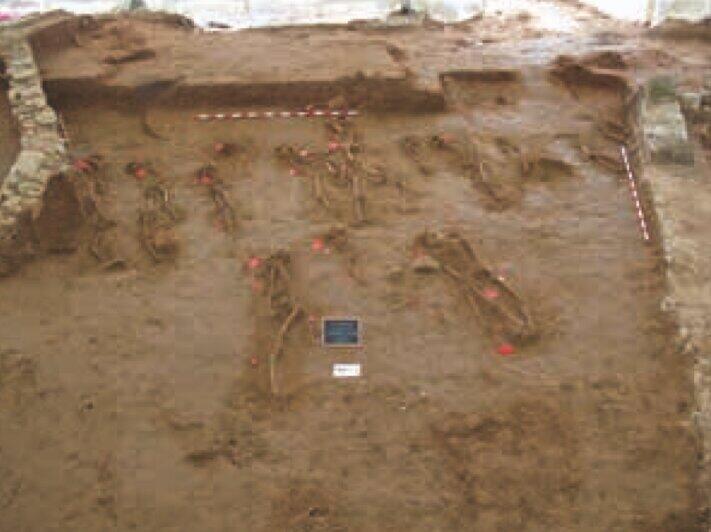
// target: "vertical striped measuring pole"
[[635, 195]]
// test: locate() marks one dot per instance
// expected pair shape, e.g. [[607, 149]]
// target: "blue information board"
[[341, 332]]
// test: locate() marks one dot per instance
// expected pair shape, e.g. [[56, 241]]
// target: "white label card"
[[346, 370]]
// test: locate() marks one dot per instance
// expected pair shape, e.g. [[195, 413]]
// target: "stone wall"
[[654, 11], [680, 196], [691, 10], [42, 156]]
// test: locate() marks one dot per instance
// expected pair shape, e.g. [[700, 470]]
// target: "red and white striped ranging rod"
[[635, 195], [313, 113]]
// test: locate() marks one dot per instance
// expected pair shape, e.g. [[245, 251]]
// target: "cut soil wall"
[[371, 94]]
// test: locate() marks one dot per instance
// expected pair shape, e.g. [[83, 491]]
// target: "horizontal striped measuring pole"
[[259, 115]]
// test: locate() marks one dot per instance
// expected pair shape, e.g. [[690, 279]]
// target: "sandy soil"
[[135, 383]]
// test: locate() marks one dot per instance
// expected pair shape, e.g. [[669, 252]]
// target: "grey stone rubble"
[[665, 134], [680, 196], [43, 152]]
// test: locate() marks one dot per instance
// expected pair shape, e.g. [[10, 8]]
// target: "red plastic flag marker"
[[254, 263], [254, 362], [506, 349], [333, 146], [317, 245], [491, 293], [140, 173], [293, 172]]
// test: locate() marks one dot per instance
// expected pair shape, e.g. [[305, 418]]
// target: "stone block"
[[14, 95], [43, 176], [48, 130], [22, 50], [12, 179], [29, 162], [27, 122], [660, 89], [31, 189], [23, 84], [20, 63], [6, 223], [679, 154], [665, 134], [24, 116], [33, 92], [25, 77], [31, 104], [45, 142], [10, 188], [690, 102], [11, 207], [35, 100], [46, 117]]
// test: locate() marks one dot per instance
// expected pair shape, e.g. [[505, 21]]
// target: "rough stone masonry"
[[680, 194], [43, 152]]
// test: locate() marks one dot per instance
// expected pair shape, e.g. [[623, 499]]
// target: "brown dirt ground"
[[135, 386]]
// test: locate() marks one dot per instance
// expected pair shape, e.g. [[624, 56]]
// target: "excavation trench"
[[517, 368], [369, 94]]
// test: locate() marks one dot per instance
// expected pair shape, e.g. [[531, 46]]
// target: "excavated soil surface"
[[517, 370]]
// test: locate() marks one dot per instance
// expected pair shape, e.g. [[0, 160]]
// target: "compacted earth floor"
[[161, 368]]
